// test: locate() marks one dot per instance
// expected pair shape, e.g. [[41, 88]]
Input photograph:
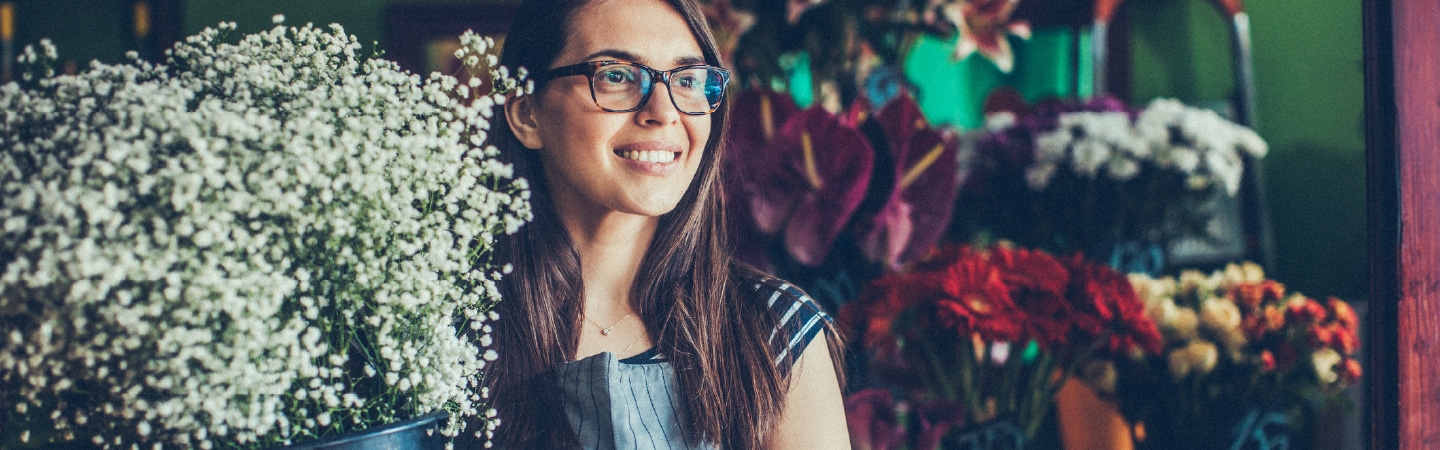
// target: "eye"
[[686, 81], [617, 76]]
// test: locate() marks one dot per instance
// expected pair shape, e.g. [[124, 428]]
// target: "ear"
[[520, 114]]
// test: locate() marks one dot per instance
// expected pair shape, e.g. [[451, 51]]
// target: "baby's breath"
[[263, 241]]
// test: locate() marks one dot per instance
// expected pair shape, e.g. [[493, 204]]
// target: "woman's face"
[[599, 162]]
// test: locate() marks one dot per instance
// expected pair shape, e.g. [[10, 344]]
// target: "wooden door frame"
[[1402, 138]]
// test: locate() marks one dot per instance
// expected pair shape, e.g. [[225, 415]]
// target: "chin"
[[655, 207]]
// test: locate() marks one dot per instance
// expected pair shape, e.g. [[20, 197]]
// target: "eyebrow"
[[627, 56]]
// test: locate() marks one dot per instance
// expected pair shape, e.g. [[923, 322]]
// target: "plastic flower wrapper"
[[1236, 340], [264, 241], [982, 329], [918, 207]]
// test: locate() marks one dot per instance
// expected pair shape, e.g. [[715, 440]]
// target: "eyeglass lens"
[[622, 87]]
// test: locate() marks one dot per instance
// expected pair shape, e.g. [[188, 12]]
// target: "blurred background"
[[1307, 58], [1299, 211]]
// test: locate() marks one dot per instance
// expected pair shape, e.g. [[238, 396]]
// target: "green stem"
[[937, 371]]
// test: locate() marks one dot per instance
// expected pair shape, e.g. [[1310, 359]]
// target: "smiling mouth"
[[651, 156]]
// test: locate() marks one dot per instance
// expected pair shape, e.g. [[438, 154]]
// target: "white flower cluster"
[[261, 242], [1168, 135]]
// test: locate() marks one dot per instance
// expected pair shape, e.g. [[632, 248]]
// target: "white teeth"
[[648, 156]]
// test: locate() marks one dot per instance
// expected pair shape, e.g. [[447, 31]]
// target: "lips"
[[651, 157]]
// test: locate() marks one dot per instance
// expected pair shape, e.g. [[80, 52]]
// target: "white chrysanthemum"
[[1167, 135], [242, 241], [1325, 361]]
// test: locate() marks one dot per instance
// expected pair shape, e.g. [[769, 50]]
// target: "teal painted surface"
[[1308, 67], [86, 30], [362, 18], [953, 92], [83, 30]]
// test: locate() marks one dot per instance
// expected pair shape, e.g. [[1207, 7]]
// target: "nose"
[[659, 109]]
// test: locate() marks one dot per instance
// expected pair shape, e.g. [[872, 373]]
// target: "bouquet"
[[967, 336], [1234, 339], [1085, 176], [263, 241]]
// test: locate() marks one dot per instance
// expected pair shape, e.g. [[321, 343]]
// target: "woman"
[[625, 321]]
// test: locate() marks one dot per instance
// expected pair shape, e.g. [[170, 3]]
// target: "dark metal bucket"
[[420, 433]]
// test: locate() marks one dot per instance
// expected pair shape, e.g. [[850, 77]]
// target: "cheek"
[[699, 130]]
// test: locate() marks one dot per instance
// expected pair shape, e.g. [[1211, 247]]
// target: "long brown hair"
[[689, 293]]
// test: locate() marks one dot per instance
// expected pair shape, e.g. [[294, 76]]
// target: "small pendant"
[[605, 331]]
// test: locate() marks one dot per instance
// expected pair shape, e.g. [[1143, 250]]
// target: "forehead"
[[649, 32]]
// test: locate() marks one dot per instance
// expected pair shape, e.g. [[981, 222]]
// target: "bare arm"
[[814, 413]]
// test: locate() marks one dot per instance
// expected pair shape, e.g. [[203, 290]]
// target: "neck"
[[611, 246]]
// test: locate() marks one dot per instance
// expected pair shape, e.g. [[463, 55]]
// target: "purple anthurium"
[[926, 185], [811, 178], [937, 418], [756, 116], [870, 416]]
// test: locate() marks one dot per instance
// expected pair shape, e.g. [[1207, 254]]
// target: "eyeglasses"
[[618, 86]]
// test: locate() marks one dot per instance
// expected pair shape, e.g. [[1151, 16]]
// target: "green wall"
[[362, 18], [1308, 69], [87, 30], [82, 30]]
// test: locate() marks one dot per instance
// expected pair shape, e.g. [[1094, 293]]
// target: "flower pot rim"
[[356, 436]]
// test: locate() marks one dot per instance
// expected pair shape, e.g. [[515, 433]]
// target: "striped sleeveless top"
[[631, 403]]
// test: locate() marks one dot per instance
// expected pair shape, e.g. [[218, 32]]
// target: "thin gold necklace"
[[632, 344], [604, 330]]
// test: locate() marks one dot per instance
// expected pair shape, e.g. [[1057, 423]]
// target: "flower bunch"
[[1168, 135], [1234, 338], [1129, 174], [830, 201], [989, 329], [263, 241], [1237, 317]]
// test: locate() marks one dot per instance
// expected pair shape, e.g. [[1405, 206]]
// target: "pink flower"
[[983, 26]]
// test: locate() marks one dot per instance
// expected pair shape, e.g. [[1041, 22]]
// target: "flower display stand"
[[419, 433]]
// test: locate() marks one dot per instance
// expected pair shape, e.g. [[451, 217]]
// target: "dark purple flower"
[[810, 179], [937, 418], [870, 416], [926, 183], [756, 117]]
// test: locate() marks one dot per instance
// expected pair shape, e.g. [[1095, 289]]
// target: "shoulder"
[[797, 317]]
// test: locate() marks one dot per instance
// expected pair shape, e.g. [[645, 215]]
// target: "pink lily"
[[983, 26]]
